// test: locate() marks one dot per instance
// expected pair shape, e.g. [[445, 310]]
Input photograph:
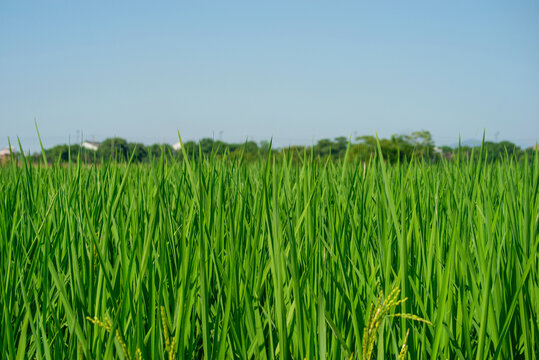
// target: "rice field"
[[273, 259]]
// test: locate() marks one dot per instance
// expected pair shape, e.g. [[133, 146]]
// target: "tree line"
[[399, 147]]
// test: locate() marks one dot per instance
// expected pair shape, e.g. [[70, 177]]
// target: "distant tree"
[[140, 152], [62, 152], [265, 145], [323, 147], [155, 150], [113, 148], [251, 147], [423, 144], [399, 147], [339, 147], [497, 151], [206, 145], [190, 148], [447, 149], [58, 152], [530, 152]]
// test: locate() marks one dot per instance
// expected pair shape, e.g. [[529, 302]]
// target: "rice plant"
[[217, 258]]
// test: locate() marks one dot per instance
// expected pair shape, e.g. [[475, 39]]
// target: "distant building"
[[6, 152], [177, 146], [90, 145]]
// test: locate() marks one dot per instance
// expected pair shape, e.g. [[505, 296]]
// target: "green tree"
[[155, 150], [113, 148], [140, 152]]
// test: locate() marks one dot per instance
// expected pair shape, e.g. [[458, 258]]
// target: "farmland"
[[220, 258]]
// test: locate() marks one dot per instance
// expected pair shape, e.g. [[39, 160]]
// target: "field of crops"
[[272, 259]]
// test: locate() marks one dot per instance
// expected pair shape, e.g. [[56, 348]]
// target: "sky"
[[295, 71]]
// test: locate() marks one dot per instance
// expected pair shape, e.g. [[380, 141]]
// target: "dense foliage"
[[419, 144], [222, 258]]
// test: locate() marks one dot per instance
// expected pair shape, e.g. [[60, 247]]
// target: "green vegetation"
[[419, 144], [278, 257]]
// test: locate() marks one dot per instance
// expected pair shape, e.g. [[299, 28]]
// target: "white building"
[[177, 146], [90, 145], [6, 152]]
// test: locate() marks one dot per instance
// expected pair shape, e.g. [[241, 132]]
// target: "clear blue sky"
[[295, 70]]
